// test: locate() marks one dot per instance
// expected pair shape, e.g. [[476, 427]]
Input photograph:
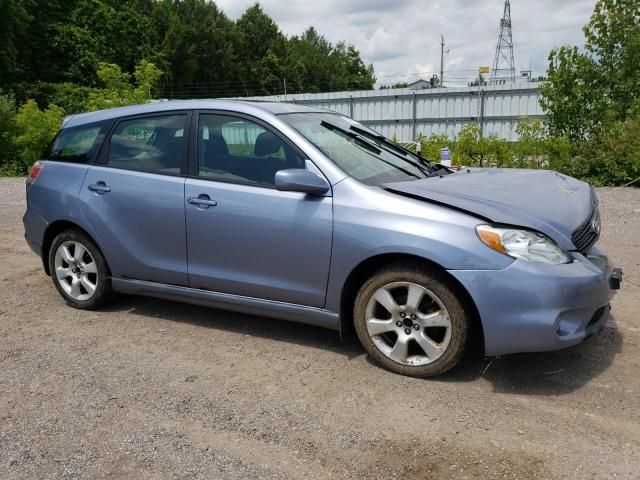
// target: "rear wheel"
[[79, 270], [411, 321]]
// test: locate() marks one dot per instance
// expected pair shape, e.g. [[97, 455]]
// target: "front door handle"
[[202, 201], [99, 187]]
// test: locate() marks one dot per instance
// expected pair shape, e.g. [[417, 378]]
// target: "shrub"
[[118, 89], [610, 158], [34, 130], [431, 146], [7, 131]]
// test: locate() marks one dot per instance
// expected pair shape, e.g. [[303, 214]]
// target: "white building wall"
[[406, 113]]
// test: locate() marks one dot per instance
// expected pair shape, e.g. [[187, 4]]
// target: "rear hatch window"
[[77, 144]]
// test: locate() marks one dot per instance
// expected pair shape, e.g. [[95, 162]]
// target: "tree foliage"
[[118, 89], [591, 96], [587, 89], [201, 51], [71, 56], [34, 129]]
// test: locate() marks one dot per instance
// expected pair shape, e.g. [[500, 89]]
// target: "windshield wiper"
[[358, 135], [372, 147], [399, 151], [390, 144]]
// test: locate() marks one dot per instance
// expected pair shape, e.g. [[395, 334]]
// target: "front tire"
[[79, 271], [413, 322]]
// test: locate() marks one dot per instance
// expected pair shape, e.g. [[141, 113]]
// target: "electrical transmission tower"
[[504, 69]]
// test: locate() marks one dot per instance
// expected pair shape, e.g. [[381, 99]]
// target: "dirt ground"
[[156, 389]]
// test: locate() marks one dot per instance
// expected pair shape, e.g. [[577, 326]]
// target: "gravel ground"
[[156, 389]]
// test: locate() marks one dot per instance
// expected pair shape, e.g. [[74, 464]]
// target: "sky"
[[401, 38]]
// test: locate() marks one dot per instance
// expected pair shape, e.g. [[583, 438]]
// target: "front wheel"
[[79, 271], [411, 321]]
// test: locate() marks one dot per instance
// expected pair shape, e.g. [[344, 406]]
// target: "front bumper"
[[532, 307]]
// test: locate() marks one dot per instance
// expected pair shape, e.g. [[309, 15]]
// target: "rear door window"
[[151, 144]]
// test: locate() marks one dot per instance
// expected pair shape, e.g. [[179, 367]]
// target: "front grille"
[[587, 234]]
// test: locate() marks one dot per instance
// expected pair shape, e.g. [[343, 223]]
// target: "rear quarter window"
[[77, 144]]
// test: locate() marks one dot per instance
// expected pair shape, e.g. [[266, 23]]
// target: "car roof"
[[239, 106]]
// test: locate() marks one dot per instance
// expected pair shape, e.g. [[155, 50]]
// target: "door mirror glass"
[[301, 180]]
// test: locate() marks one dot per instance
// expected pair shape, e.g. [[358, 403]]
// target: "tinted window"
[[152, 144], [75, 144], [239, 150]]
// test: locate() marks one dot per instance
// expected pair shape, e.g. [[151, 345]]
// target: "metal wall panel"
[[405, 114]]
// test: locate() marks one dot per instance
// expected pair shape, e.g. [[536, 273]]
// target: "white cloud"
[[402, 37]]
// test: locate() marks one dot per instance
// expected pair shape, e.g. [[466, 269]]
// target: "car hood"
[[543, 200]]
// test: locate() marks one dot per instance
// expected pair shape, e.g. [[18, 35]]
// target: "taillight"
[[36, 169], [34, 172]]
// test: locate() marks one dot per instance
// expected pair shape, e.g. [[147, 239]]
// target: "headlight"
[[524, 244]]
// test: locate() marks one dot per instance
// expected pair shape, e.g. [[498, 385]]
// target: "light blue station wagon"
[[306, 215]]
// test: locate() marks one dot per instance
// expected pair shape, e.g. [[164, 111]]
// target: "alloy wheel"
[[408, 323], [76, 270]]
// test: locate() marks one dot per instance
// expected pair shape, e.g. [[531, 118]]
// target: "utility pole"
[[441, 60], [285, 88]]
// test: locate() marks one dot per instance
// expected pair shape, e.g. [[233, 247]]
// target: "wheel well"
[[368, 267], [52, 231]]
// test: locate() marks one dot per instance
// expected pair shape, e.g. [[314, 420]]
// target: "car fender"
[[370, 222]]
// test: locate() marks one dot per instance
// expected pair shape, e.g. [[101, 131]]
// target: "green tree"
[[200, 47], [431, 146], [119, 90], [587, 90], [531, 147], [13, 24], [314, 64], [7, 130], [495, 152], [34, 130], [263, 49], [609, 159]]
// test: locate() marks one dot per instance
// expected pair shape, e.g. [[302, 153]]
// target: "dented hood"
[[547, 201]]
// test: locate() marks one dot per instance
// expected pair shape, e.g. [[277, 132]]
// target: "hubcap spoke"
[[414, 296], [384, 298], [378, 327], [90, 267], [428, 346], [75, 288], [66, 254], [89, 287], [400, 350], [435, 319], [62, 272], [78, 253]]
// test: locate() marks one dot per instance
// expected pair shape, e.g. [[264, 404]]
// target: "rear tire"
[[412, 321], [79, 271]]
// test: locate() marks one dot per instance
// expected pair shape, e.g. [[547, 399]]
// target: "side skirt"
[[226, 301]]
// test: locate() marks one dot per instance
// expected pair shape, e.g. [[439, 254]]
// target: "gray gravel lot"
[[156, 389]]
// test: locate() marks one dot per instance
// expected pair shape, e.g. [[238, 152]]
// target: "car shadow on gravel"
[[264, 327], [546, 373]]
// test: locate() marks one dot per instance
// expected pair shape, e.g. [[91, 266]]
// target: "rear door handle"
[[203, 201], [99, 187]]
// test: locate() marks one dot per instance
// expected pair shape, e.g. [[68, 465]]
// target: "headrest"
[[266, 144], [216, 145]]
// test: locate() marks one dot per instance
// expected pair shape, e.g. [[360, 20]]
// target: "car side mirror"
[[301, 180]]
